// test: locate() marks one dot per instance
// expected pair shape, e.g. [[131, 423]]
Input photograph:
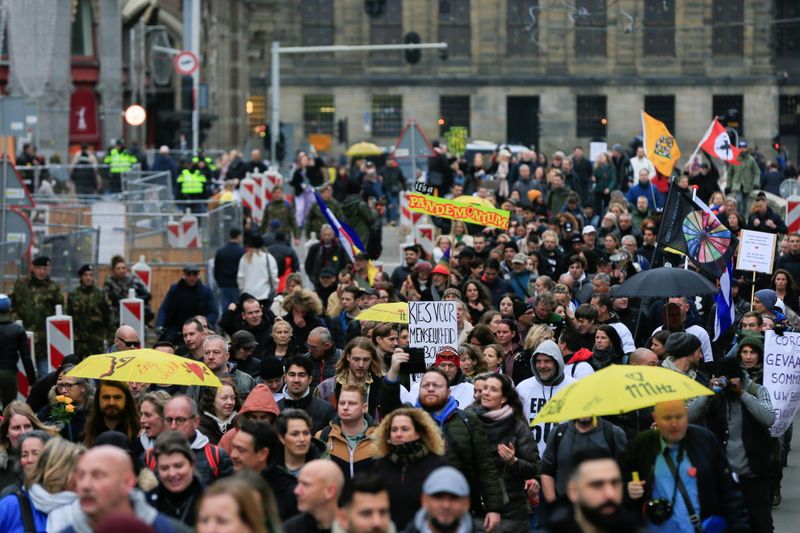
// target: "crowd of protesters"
[[319, 425]]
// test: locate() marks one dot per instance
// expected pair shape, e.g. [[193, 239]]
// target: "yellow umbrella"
[[619, 389], [145, 366], [389, 312], [363, 149], [474, 200]]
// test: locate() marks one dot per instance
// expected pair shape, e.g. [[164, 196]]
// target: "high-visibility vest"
[[119, 162], [192, 182]]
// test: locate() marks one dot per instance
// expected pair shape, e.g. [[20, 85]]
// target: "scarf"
[[607, 356], [442, 416], [498, 414], [222, 424], [756, 374], [408, 452]]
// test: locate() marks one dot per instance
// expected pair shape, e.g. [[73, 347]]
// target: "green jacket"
[[606, 178], [358, 216], [315, 219], [92, 323], [32, 301], [556, 199], [744, 176], [280, 210]]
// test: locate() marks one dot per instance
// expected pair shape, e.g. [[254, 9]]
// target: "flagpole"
[[686, 257]]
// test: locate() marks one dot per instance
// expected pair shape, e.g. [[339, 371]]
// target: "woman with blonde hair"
[[408, 446], [50, 486], [18, 419], [459, 233], [231, 502]]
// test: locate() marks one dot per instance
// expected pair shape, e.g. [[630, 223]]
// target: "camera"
[[659, 511]]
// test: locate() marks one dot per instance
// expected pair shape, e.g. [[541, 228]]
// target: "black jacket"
[[283, 483], [182, 506], [13, 345], [226, 265], [718, 492], [320, 411]]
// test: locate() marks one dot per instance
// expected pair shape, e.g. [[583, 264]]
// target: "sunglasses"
[[129, 344]]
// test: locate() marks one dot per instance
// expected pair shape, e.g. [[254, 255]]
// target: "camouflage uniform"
[[32, 301], [315, 219], [280, 210], [117, 290], [92, 323]]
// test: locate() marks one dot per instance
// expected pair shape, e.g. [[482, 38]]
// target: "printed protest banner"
[[482, 215], [432, 326], [782, 377]]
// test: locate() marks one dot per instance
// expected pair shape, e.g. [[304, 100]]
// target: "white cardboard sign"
[[756, 251], [432, 326], [782, 377]]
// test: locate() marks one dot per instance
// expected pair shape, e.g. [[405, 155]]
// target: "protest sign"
[[756, 251], [596, 148], [432, 326], [423, 188], [782, 377], [482, 215]]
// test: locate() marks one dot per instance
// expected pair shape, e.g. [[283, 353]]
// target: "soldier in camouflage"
[[91, 315], [279, 209], [117, 285], [33, 299]]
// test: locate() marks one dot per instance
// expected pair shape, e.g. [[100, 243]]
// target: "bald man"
[[126, 338], [644, 357], [318, 489], [695, 454], [105, 485]]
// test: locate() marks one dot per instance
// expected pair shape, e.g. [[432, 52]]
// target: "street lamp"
[[135, 115]]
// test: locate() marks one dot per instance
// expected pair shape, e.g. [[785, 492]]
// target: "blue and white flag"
[[726, 313]]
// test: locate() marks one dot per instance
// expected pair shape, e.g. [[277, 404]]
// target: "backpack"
[[25, 511], [608, 436], [212, 456]]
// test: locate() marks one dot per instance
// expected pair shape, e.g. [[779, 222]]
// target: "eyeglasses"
[[177, 421], [65, 386], [129, 344]]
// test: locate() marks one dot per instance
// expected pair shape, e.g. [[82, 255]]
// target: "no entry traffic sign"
[[186, 63]]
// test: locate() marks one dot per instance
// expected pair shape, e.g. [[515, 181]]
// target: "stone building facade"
[[533, 71]]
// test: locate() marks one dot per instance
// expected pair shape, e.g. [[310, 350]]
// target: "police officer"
[[91, 314], [33, 299], [118, 161], [192, 186], [13, 345]]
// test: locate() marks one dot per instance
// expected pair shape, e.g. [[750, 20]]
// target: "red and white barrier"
[[174, 234], [793, 214], [131, 313], [272, 179], [189, 232], [258, 195], [248, 196], [60, 338], [425, 234], [23, 387], [143, 271], [407, 216]]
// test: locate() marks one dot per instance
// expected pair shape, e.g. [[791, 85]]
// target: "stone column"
[[109, 86]]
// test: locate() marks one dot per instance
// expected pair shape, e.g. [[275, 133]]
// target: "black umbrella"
[[665, 282]]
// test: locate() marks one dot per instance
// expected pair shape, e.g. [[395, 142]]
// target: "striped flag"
[[726, 313], [347, 236]]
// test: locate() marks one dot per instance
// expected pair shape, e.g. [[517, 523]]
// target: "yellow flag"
[[660, 146]]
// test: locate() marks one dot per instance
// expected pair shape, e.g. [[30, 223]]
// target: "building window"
[[787, 34], [387, 28], [661, 107], [727, 34], [454, 27], [83, 29], [317, 17], [453, 111], [590, 28], [318, 114], [730, 110], [789, 114], [659, 28], [592, 119], [522, 28], [387, 115]]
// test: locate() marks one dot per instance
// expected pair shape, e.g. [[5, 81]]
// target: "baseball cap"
[[589, 229], [5, 303], [327, 272], [447, 480], [520, 259], [244, 339], [191, 269], [441, 269]]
